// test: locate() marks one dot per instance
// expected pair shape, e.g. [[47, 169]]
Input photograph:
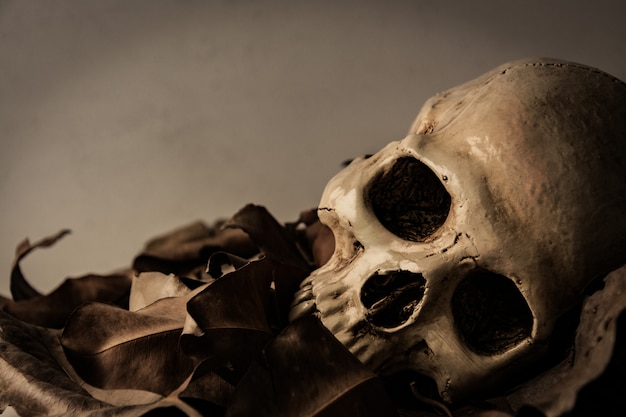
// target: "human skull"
[[458, 248]]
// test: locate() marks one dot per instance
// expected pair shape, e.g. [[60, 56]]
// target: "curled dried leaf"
[[273, 239], [20, 288], [52, 310], [185, 251]]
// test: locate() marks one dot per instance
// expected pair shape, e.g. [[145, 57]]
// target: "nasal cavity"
[[392, 297], [409, 200]]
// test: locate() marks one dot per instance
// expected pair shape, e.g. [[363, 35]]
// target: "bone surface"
[[459, 247]]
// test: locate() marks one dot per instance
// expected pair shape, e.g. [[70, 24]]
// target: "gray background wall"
[[125, 119]]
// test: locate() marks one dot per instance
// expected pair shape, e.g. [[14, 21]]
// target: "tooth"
[[303, 294], [302, 309]]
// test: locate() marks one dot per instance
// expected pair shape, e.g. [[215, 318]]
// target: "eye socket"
[[490, 313], [409, 200]]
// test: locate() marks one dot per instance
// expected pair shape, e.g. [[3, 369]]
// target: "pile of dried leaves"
[[198, 327]]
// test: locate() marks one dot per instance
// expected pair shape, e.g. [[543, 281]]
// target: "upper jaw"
[[303, 303]]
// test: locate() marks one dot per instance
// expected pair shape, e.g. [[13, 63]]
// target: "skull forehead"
[[551, 90], [539, 115], [546, 140]]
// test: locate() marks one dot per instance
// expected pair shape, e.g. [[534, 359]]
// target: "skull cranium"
[[459, 248]]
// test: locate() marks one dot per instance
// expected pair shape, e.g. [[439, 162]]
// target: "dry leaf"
[[113, 348], [20, 288], [315, 239], [233, 316], [185, 251], [272, 238], [34, 384], [148, 287], [308, 373], [53, 309]]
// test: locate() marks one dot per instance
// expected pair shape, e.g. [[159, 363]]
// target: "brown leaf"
[[207, 385], [112, 348], [148, 287], [240, 299], [53, 309], [307, 372], [272, 238], [32, 381], [315, 238], [20, 288], [323, 244], [286, 280], [221, 263], [234, 317], [185, 250]]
